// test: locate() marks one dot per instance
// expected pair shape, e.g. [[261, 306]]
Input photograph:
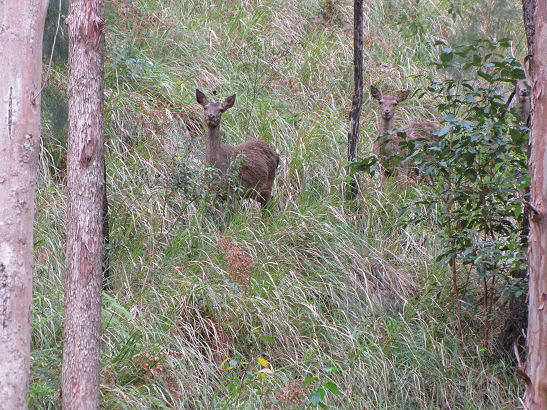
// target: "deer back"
[[258, 164]]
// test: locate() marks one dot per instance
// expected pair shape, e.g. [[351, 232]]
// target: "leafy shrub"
[[477, 165]]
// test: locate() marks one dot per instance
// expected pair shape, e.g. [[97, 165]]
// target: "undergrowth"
[[323, 302]]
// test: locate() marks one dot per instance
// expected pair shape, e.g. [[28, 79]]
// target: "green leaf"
[[331, 386], [309, 380], [443, 131], [447, 55], [315, 398], [267, 338], [484, 75], [330, 369]]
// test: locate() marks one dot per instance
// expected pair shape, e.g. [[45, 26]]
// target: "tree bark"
[[536, 392], [22, 27], [86, 189], [357, 102]]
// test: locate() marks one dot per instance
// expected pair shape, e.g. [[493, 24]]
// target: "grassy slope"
[[318, 285]]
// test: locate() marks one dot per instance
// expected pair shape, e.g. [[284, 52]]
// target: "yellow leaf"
[[221, 367], [263, 362], [265, 370], [255, 329]]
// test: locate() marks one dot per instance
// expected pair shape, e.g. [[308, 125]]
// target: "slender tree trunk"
[[357, 102], [106, 234], [528, 11], [22, 27], [82, 326], [536, 392]]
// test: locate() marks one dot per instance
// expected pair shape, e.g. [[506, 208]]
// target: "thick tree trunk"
[[82, 326], [536, 393], [357, 102], [22, 26]]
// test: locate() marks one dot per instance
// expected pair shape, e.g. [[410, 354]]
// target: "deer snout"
[[387, 113], [210, 117]]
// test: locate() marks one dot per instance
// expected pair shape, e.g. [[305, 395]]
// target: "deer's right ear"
[[201, 99], [229, 102], [376, 93], [403, 95]]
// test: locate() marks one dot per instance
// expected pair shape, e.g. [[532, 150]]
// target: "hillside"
[[349, 307]]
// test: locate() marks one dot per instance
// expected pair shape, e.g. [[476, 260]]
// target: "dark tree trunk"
[[536, 371], [22, 27], [86, 217], [528, 11], [357, 102], [106, 234]]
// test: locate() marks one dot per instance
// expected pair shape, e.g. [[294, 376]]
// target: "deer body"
[[259, 163], [389, 143]]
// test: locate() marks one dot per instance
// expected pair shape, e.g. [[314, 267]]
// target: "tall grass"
[[321, 287]]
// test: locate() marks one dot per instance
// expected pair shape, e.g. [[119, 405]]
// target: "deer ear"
[[376, 93], [229, 102], [201, 99], [403, 95]]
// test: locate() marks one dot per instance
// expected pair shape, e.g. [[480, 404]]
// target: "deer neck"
[[384, 125], [212, 146]]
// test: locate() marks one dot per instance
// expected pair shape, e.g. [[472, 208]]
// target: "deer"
[[258, 160], [388, 142], [522, 102]]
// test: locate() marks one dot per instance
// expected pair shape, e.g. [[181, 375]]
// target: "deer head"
[[388, 103], [213, 110]]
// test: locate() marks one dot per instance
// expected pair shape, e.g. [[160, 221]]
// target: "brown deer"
[[259, 162], [387, 143], [522, 102]]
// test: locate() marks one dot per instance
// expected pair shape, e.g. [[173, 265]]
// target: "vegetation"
[[476, 166], [323, 302]]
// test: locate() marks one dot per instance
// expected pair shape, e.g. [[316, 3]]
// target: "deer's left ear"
[[403, 95], [229, 102]]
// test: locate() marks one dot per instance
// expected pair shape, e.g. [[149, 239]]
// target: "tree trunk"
[[357, 102], [536, 392], [528, 11], [82, 325], [106, 235], [22, 25]]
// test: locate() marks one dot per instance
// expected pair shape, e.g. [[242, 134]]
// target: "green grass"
[[322, 287]]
